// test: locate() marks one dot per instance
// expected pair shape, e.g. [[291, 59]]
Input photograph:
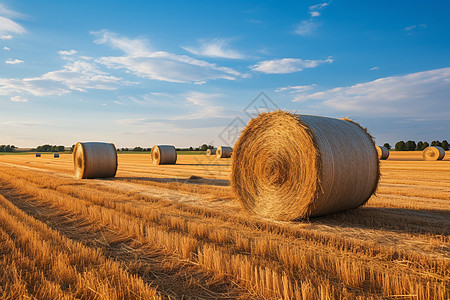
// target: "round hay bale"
[[164, 154], [38, 154], [224, 152], [288, 166], [94, 160], [55, 155], [433, 153], [383, 152], [211, 151]]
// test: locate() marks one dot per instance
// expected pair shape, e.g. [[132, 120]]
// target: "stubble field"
[[176, 231]]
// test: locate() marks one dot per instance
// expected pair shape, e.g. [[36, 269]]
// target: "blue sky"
[[139, 73]]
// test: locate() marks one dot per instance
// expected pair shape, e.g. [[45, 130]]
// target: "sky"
[[140, 73]]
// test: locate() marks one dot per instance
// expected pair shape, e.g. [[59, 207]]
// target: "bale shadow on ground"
[[191, 180]]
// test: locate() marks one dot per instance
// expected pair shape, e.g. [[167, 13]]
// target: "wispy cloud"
[[409, 28], [314, 10], [295, 89], [69, 52], [7, 25], [374, 68], [13, 61], [308, 27], [6, 48], [19, 99], [160, 65], [417, 95], [218, 47], [287, 65], [76, 75]]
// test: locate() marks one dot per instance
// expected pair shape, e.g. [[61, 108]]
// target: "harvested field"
[[174, 231]]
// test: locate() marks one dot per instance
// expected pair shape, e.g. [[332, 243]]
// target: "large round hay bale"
[[95, 160], [224, 152], [211, 151], [288, 166], [164, 154], [433, 153], [383, 152]]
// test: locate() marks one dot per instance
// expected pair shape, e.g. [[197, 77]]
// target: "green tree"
[[419, 145], [400, 146], [203, 147], [425, 145], [444, 145], [191, 149], [410, 146], [2, 148], [60, 148], [387, 146], [137, 149], [436, 143]]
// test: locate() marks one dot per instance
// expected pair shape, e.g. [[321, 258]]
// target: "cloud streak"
[[218, 47], [287, 65], [159, 65], [418, 95]]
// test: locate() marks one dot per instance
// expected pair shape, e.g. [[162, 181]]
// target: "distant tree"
[[425, 145], [2, 148], [191, 149], [436, 143], [387, 145], [400, 146], [73, 147], [137, 149], [203, 147], [444, 145], [419, 145], [61, 148], [410, 146]]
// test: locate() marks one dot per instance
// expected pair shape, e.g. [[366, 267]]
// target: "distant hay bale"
[[94, 160], [383, 152], [164, 155], [224, 152], [211, 151], [55, 155], [38, 154], [433, 153], [288, 166]]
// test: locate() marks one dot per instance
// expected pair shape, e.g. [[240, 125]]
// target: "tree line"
[[419, 146], [7, 148], [48, 148]]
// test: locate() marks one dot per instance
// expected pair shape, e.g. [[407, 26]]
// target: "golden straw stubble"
[[94, 160], [288, 166]]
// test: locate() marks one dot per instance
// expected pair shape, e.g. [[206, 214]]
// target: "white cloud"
[[415, 26], [218, 47], [7, 25], [18, 99], [295, 89], [77, 75], [314, 9], [70, 52], [33, 86], [6, 48], [13, 61], [160, 65], [422, 94], [374, 68], [287, 65], [306, 27], [82, 75]]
